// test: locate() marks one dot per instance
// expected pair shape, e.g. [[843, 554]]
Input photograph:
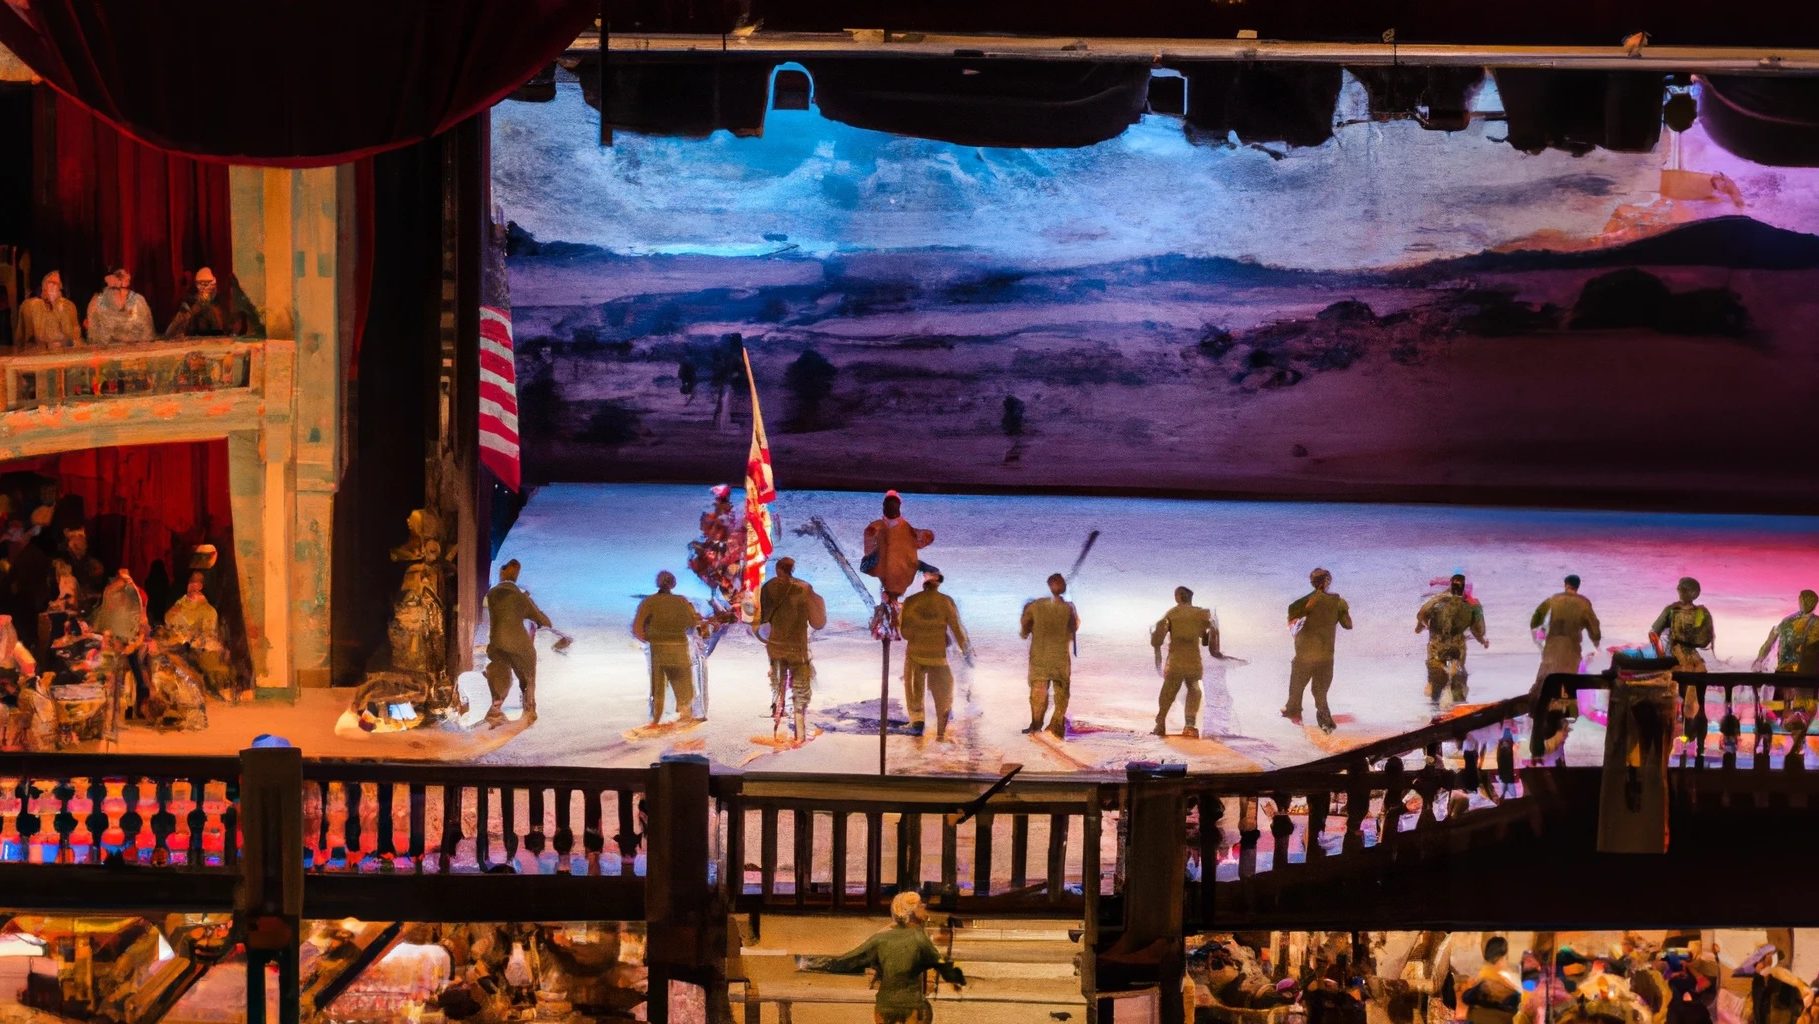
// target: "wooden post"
[[1158, 854], [269, 902], [678, 899]]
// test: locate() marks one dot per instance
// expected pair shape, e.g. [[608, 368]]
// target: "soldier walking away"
[[1448, 618], [930, 619], [901, 955], [665, 620], [1795, 639], [1565, 616], [1315, 618], [1681, 631], [787, 609], [1049, 624], [890, 550], [1687, 627], [1186, 629], [509, 647]]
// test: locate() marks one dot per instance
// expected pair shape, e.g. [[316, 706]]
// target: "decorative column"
[[289, 254]]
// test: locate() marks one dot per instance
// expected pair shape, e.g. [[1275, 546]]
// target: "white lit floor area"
[[589, 551]]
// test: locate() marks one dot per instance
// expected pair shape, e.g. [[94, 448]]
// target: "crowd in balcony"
[[49, 321], [80, 637], [1471, 978]]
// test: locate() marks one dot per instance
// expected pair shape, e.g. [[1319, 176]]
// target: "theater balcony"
[[161, 392]]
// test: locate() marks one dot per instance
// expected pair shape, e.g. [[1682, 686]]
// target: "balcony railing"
[[505, 838], [80, 375]]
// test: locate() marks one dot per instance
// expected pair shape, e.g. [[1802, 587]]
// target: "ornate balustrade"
[[80, 375], [482, 841], [1034, 848], [362, 818]]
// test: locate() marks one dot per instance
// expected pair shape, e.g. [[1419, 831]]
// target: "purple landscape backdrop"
[[1396, 314]]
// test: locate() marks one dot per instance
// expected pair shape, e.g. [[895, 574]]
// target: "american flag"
[[760, 491], [499, 450]]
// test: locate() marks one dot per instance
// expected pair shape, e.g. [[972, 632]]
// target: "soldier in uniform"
[[1447, 618], [1186, 629], [1795, 639], [1318, 614], [1566, 616], [1687, 626], [664, 620], [901, 955], [787, 609], [1049, 624], [509, 649], [930, 618]]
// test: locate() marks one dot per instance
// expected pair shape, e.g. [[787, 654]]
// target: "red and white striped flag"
[[499, 449], [760, 491]]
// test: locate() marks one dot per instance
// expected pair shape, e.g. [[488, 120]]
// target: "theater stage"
[[589, 550]]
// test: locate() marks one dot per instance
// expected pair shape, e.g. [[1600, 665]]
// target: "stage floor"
[[589, 550]]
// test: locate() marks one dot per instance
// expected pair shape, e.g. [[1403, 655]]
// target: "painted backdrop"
[[1397, 313]]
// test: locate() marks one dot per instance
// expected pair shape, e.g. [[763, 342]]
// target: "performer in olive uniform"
[[1448, 618], [787, 609], [1795, 639], [929, 619], [1319, 614], [1687, 626], [1186, 629], [1566, 616], [902, 955], [664, 620], [1049, 624], [509, 648]]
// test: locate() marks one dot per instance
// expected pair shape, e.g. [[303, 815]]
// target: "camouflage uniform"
[[1795, 635], [1687, 628], [1448, 618]]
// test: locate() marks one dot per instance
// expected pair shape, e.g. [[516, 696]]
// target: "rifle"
[[977, 804]]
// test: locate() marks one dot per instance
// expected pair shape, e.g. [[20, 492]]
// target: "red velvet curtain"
[[293, 83], [118, 200], [163, 499]]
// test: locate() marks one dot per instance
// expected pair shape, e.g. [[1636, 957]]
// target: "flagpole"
[[884, 697]]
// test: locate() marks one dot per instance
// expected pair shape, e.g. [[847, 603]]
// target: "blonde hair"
[[905, 907]]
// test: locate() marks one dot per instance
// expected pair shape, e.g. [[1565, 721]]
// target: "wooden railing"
[[163, 812], [86, 374], [363, 818], [1768, 695], [1033, 849], [779, 843]]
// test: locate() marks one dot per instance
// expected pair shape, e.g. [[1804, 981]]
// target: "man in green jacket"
[[901, 955]]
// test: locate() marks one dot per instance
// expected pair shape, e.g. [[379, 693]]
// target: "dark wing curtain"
[[117, 200], [143, 503], [290, 83]]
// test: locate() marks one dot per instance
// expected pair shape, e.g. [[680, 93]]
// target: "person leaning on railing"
[[117, 315]]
